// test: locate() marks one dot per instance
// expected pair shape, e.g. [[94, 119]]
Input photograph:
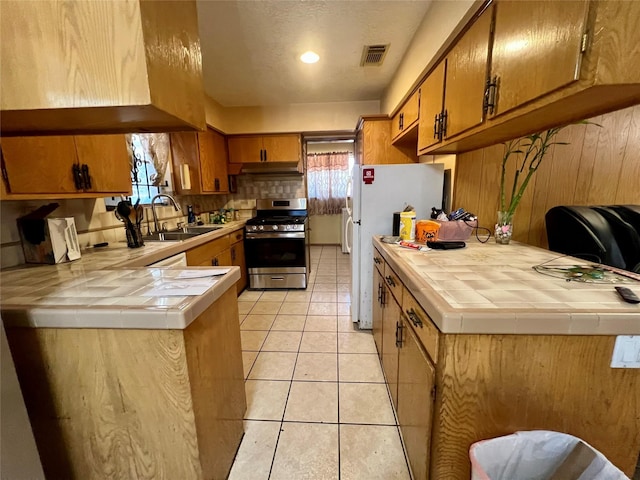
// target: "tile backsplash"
[[96, 225]]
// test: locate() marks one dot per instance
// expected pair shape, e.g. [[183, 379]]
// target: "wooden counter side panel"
[[214, 357], [108, 403], [491, 385]]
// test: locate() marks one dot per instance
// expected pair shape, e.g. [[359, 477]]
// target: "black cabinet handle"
[[77, 176], [379, 293], [265, 155], [436, 126], [415, 319], [261, 155], [86, 178], [214, 262], [233, 254], [489, 101], [390, 281], [376, 260], [216, 184], [398, 335], [443, 124]]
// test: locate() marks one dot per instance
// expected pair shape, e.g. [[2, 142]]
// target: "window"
[[328, 176]]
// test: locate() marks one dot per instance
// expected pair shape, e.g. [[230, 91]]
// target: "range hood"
[[272, 168]]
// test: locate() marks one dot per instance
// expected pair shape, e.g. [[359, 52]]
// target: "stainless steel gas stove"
[[277, 245]]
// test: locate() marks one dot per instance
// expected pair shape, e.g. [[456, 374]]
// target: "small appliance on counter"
[[48, 240]]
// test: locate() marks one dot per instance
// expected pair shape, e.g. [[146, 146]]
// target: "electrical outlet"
[[626, 352]]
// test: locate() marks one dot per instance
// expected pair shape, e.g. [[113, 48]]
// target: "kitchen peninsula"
[[476, 344], [122, 382]]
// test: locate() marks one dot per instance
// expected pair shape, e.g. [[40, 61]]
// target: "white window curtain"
[[327, 181]]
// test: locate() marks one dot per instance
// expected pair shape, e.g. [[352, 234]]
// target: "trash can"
[[539, 455]]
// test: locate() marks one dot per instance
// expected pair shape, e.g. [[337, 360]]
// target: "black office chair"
[[584, 233], [625, 233]]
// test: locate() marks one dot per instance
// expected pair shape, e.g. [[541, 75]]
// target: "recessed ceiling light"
[[309, 57]]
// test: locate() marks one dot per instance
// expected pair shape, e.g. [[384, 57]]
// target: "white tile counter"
[[107, 288], [493, 289]]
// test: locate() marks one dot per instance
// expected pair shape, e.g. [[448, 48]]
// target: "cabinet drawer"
[[203, 254], [236, 236], [427, 332], [393, 282], [378, 261]]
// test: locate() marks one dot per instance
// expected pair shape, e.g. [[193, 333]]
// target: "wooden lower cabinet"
[[390, 323], [225, 251], [135, 403], [378, 309], [416, 394], [451, 390], [238, 260]]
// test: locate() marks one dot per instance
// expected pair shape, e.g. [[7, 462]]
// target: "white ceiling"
[[251, 49]]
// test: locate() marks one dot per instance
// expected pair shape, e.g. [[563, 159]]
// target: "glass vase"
[[504, 228]]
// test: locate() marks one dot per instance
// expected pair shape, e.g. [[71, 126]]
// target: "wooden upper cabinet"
[[199, 162], [264, 148], [107, 160], [537, 48], [431, 103], [374, 143], [282, 148], [94, 67], [213, 162], [466, 77], [407, 117], [66, 166]]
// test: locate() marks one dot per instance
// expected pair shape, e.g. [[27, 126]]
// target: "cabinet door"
[[223, 259], [185, 157], [378, 308], [390, 324], [407, 116], [245, 149], [107, 160], [204, 255], [431, 101], [282, 148], [466, 77], [416, 382], [237, 260], [536, 49], [213, 162], [39, 164]]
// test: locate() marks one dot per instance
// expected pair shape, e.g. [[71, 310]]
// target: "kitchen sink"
[[178, 234]]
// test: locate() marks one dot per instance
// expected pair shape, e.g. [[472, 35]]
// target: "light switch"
[[626, 352]]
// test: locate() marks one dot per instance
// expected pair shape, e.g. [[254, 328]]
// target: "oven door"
[[286, 250]]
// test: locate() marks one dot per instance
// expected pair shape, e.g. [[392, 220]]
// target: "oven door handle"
[[281, 235]]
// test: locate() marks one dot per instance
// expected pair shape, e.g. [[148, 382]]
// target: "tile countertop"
[[493, 289], [107, 288]]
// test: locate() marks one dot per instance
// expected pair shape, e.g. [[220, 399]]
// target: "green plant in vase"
[[528, 152]]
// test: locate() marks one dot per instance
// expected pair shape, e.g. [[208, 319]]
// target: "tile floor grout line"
[[284, 411]]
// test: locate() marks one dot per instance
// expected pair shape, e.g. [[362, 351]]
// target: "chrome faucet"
[[153, 208]]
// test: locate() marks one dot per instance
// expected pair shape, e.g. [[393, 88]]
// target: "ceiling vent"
[[373, 55]]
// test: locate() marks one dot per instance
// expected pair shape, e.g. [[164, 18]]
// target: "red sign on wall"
[[368, 175]]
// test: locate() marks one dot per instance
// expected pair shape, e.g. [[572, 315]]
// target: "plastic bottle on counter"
[[191, 217]]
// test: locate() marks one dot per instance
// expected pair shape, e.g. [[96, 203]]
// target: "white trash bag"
[[534, 455]]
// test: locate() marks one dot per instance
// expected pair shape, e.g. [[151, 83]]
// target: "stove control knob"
[[261, 227], [288, 227], [275, 227], [254, 228]]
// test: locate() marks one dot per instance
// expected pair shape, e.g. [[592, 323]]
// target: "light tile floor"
[[317, 404]]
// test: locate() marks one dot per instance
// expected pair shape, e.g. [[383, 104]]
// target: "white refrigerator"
[[373, 204]]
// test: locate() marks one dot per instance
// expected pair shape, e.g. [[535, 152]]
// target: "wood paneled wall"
[[600, 166]]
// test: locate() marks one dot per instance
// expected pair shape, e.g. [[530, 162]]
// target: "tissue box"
[[48, 240]]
